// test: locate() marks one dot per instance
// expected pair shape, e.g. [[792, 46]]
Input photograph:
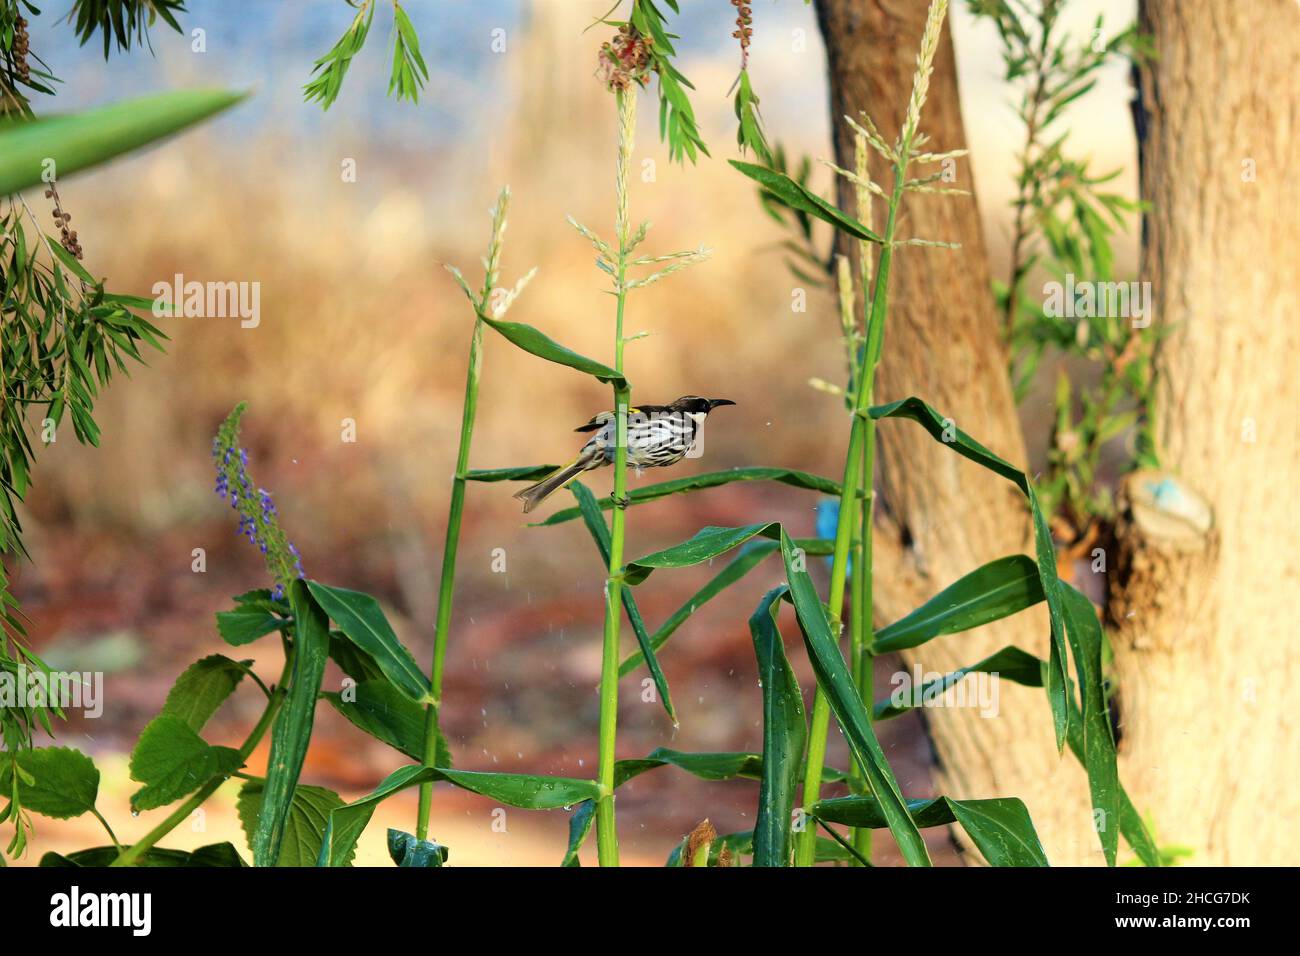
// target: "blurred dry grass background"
[[359, 321]]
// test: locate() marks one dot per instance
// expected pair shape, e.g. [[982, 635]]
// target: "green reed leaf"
[[712, 479], [1098, 758], [707, 766], [538, 343], [996, 590], [1010, 662], [1000, 827], [944, 430], [524, 473], [79, 141], [841, 693], [527, 791], [785, 733], [595, 522], [802, 199]]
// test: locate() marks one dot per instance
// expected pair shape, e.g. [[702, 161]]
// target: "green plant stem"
[[131, 854], [863, 627], [111, 835], [447, 582], [606, 831], [854, 462]]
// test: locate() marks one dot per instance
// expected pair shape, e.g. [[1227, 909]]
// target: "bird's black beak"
[[715, 402]]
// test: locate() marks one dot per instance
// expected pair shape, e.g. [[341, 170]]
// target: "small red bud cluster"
[[21, 45], [624, 60], [743, 32]]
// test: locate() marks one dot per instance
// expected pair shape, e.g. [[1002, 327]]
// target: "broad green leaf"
[[712, 479], [543, 346], [584, 815], [213, 855], [362, 620], [405, 849], [56, 782], [246, 624], [291, 733], [1011, 663], [304, 826], [842, 695], [1000, 827], [78, 141], [785, 733], [1099, 760], [804, 200], [171, 760], [996, 590], [522, 473], [201, 689], [595, 522], [527, 791], [944, 431], [381, 710]]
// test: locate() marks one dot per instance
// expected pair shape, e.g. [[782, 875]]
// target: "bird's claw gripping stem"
[[622, 502]]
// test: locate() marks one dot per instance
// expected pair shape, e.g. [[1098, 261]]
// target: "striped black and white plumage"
[[657, 436]]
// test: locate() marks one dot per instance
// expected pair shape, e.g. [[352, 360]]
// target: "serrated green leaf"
[[56, 782], [304, 826], [172, 761], [201, 689]]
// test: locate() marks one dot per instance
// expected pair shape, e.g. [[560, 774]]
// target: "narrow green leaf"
[[785, 733], [1011, 663], [706, 766], [362, 620], [523, 473], [999, 827], [798, 197], [543, 346], [707, 543], [841, 693], [595, 522], [291, 732], [1099, 759], [996, 590], [712, 479], [80, 140], [527, 791], [945, 431], [750, 556]]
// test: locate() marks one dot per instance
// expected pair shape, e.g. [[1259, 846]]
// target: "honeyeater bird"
[[657, 436]]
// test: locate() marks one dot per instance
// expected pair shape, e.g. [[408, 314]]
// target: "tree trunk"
[[1205, 635], [940, 516]]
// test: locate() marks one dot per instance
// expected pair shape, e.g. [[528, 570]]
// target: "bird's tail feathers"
[[534, 495]]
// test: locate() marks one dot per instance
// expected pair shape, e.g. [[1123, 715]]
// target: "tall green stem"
[[854, 464], [863, 629], [606, 832], [131, 854], [447, 582]]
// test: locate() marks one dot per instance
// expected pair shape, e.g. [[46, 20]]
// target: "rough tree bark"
[[940, 516], [1204, 620]]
